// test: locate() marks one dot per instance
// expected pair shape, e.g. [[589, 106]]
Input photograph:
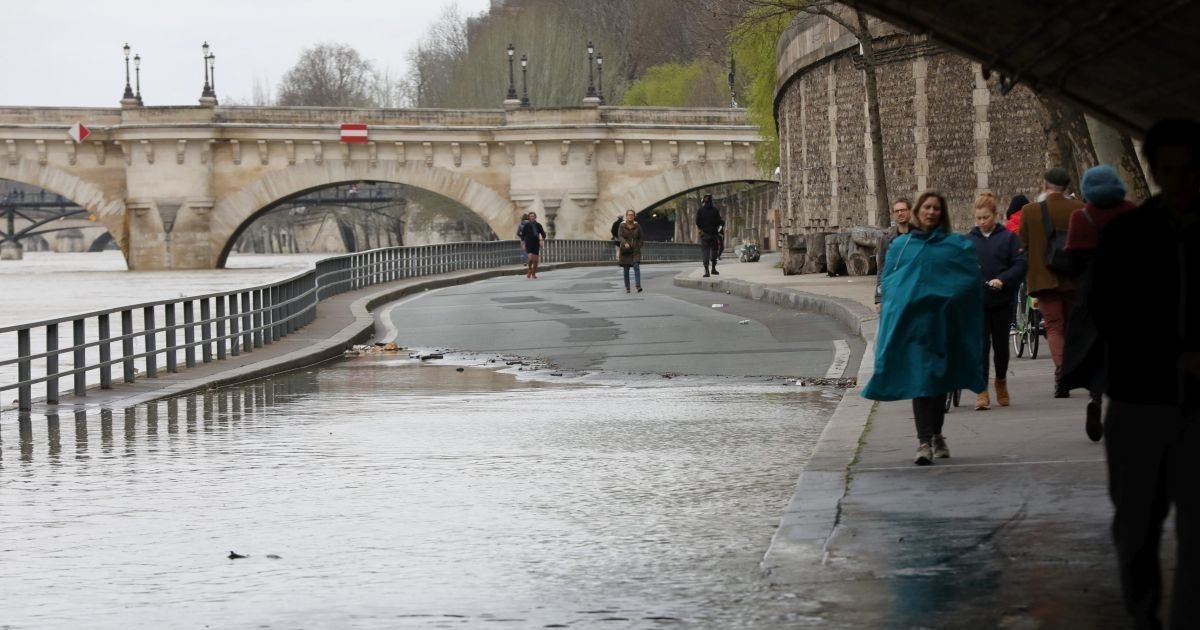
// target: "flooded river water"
[[394, 493], [402, 495]]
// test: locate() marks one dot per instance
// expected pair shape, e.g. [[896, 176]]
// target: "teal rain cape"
[[930, 338]]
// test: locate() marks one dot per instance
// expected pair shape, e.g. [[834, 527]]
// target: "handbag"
[[1057, 258]]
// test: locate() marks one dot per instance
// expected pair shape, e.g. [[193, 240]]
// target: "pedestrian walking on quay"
[[629, 237], [1013, 215], [901, 215], [1147, 309], [930, 325], [1002, 262], [710, 224], [533, 235], [1048, 278], [1083, 356]]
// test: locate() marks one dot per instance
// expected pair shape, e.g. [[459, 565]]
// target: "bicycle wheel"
[[1035, 334], [1020, 322]]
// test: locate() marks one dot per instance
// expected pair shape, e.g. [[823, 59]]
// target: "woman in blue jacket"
[[1002, 261], [929, 327]]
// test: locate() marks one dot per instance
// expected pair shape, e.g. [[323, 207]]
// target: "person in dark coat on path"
[[1147, 310], [629, 239], [901, 215], [1083, 356], [1002, 261], [533, 235], [1052, 290], [709, 223]]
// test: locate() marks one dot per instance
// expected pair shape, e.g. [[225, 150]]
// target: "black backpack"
[[1058, 259]]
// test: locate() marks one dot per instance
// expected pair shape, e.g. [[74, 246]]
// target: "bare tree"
[[328, 75]]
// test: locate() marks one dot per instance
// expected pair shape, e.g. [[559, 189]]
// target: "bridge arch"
[[110, 213], [233, 213], [691, 176]]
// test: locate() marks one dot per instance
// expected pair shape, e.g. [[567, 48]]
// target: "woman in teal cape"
[[930, 324]]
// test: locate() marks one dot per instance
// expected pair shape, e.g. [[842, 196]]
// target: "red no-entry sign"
[[354, 132]]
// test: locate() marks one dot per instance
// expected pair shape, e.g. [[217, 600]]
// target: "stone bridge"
[[175, 186]]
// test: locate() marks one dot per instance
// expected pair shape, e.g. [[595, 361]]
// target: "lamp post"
[[512, 88], [600, 77], [207, 92], [524, 81], [137, 69], [591, 91], [732, 89], [212, 70], [128, 88]]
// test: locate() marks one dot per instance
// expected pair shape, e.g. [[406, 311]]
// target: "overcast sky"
[[68, 52]]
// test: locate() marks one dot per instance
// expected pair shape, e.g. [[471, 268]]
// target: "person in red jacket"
[[1014, 213]]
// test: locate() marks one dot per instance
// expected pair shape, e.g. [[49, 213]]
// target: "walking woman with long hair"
[[930, 325], [1002, 261], [629, 249]]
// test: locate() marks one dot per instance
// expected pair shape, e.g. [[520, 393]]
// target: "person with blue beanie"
[[1083, 355]]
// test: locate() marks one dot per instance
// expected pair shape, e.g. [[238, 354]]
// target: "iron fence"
[[141, 340]]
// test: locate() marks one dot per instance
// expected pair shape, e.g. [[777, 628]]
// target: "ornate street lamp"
[[137, 69], [128, 88], [512, 88], [207, 92], [591, 91], [212, 70], [600, 77], [524, 81]]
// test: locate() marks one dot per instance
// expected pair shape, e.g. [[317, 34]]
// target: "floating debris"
[[719, 305], [744, 322], [841, 383], [459, 370], [432, 355]]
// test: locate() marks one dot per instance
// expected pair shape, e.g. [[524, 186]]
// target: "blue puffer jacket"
[[1002, 256], [931, 327]]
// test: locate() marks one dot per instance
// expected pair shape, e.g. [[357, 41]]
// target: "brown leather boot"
[[1002, 392], [982, 402]]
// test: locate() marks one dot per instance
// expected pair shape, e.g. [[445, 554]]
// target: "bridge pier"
[[11, 251]]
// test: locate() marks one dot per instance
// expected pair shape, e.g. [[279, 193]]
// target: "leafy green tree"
[[753, 41], [696, 83]]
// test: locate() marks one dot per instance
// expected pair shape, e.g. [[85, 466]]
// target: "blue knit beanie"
[[1101, 186]]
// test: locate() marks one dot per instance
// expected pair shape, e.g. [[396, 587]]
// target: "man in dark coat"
[[709, 222], [1147, 310]]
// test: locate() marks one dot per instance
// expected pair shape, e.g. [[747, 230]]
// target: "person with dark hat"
[[1083, 355], [1013, 214], [709, 222], [1043, 232]]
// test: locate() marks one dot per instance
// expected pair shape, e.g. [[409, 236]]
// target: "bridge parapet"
[[176, 185]]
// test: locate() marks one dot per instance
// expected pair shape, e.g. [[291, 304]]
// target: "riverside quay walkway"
[[1012, 531]]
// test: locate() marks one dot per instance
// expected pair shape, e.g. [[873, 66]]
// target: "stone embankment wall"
[[944, 128]]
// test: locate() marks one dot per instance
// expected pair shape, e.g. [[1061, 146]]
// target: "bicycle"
[[953, 398], [1028, 328]]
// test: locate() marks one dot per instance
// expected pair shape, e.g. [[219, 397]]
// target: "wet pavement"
[[581, 319]]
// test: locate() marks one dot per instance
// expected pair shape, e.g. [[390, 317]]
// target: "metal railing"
[[144, 339]]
